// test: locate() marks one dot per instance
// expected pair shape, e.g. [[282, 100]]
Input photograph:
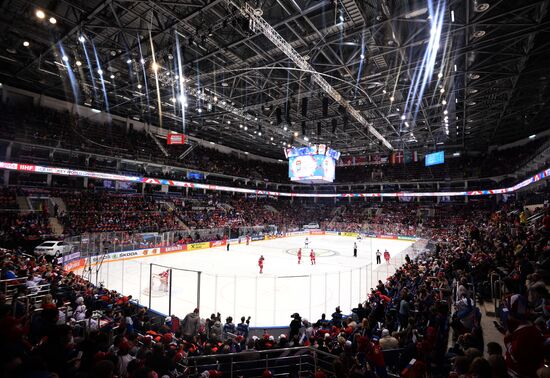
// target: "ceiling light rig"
[[258, 24]]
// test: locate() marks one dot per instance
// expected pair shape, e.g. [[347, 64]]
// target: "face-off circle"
[[319, 252]]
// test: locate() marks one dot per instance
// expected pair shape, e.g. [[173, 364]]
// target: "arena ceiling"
[[452, 74]]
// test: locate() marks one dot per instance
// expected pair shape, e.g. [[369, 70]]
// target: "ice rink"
[[229, 281]]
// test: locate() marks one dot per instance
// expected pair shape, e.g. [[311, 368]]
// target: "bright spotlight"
[[40, 14], [362, 56], [295, 133], [245, 128], [440, 75], [100, 71], [26, 43], [139, 86], [78, 63], [306, 139], [259, 133], [403, 117], [65, 58], [129, 61], [53, 21], [442, 90], [241, 126], [445, 112], [285, 128], [112, 76], [392, 98], [173, 99], [81, 39], [155, 66], [444, 102]]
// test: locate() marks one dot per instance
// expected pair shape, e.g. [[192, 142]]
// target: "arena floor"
[[230, 282]]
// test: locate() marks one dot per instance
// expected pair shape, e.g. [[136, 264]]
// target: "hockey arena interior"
[[274, 188]]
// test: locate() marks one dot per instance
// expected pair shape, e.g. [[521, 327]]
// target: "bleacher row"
[[46, 127], [54, 321]]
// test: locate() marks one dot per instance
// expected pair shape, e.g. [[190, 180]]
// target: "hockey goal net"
[[159, 284]]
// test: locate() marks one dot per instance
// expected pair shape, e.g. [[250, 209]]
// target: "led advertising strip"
[[184, 184]]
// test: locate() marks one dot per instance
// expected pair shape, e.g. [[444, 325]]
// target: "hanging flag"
[[397, 157], [411, 157]]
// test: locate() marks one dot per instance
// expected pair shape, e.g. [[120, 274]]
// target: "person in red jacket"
[[387, 256], [312, 257], [261, 263], [523, 341], [299, 255]]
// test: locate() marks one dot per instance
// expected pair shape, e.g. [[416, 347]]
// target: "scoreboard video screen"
[[312, 165], [435, 158]]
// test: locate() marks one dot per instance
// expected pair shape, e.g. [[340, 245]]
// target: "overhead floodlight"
[[53, 21], [416, 13], [452, 16], [258, 24], [532, 136], [40, 14], [81, 38], [65, 58], [26, 43], [78, 63]]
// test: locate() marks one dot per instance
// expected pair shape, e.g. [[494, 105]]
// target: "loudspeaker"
[[287, 112], [304, 107], [303, 127], [325, 106], [278, 116], [334, 125]]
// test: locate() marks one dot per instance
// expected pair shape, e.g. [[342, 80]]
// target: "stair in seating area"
[[56, 227], [490, 333], [170, 206], [23, 203], [61, 207]]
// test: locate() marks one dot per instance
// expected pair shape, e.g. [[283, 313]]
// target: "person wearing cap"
[[190, 325], [387, 341], [523, 341], [295, 325], [337, 317]]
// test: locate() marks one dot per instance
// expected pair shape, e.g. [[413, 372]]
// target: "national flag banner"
[[360, 160], [347, 161], [175, 138], [397, 157], [411, 157]]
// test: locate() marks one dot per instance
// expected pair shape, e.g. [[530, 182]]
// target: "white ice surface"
[[230, 282]]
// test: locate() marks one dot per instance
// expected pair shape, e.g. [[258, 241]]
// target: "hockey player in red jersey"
[[247, 239], [164, 276], [387, 256], [261, 264], [299, 255], [312, 257]]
